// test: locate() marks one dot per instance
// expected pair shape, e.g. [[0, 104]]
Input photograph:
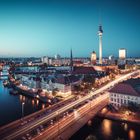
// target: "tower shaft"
[[100, 49], [100, 33]]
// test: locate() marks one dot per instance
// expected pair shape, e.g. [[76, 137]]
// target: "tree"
[[133, 106], [119, 138], [89, 79], [91, 137], [54, 92]]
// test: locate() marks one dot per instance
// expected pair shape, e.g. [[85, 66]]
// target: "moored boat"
[[5, 83], [13, 92]]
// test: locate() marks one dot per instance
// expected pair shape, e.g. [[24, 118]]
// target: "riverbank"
[[124, 117], [11, 105], [33, 93]]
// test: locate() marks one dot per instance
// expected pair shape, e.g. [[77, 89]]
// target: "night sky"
[[49, 27]]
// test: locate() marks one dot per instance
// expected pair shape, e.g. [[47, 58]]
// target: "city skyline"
[[38, 28]]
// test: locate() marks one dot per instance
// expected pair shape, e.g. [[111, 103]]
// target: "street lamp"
[[58, 123], [90, 99]]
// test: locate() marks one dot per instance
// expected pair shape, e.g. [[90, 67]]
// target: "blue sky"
[[48, 27]]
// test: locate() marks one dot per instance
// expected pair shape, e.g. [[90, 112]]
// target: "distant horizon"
[[14, 57], [45, 28]]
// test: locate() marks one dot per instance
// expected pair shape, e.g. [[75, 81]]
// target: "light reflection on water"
[[20, 98], [125, 126], [131, 134], [33, 102], [106, 127], [37, 102], [43, 106]]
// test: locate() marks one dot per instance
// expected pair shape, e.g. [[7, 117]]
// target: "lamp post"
[[90, 100], [58, 123]]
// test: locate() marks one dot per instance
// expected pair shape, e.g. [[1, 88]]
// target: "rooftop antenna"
[[100, 21], [71, 60]]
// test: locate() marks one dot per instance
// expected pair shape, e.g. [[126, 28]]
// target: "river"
[[11, 105], [105, 129]]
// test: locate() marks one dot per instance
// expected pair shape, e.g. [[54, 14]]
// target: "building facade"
[[122, 53], [125, 93], [93, 58]]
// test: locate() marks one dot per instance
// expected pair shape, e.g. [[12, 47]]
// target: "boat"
[[13, 92], [5, 83]]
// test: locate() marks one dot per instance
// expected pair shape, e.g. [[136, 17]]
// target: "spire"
[[100, 22], [71, 60]]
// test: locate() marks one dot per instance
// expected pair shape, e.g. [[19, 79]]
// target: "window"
[[121, 101], [111, 99]]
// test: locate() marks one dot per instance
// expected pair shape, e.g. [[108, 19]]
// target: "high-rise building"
[[57, 56], [93, 58], [122, 53], [45, 59], [122, 58], [100, 33], [111, 60]]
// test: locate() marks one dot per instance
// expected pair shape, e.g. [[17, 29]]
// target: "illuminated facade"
[[45, 59], [93, 58], [125, 93], [122, 53]]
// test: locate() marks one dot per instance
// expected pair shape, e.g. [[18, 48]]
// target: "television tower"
[[100, 33]]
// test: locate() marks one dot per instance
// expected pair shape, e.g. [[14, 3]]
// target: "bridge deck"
[[67, 133], [71, 125]]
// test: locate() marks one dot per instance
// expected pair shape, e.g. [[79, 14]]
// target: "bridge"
[[70, 124], [66, 120]]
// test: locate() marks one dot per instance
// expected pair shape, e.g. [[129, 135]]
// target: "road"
[[18, 124], [54, 131], [44, 119]]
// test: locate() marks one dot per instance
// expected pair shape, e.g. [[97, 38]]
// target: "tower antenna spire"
[[71, 60], [100, 20]]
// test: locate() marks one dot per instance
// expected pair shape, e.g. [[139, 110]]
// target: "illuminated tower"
[[100, 33]]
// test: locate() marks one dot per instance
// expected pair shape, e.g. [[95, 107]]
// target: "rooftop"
[[129, 87], [67, 79], [84, 70]]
